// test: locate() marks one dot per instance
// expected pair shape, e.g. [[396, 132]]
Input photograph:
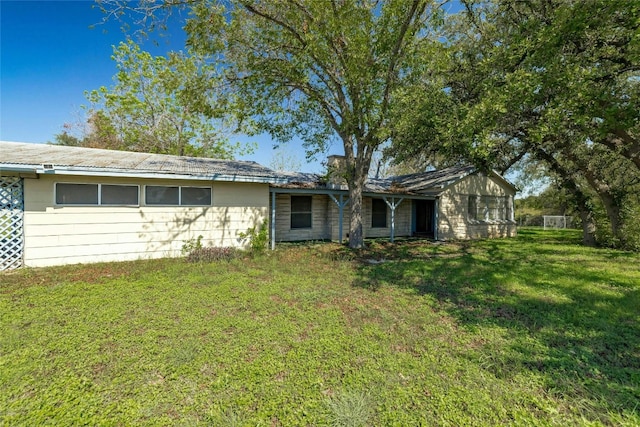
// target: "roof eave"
[[115, 173]]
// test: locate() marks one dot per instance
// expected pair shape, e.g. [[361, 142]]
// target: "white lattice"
[[11, 222]]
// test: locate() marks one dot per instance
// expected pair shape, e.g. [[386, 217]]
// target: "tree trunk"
[[356, 236], [357, 171], [581, 199], [588, 225]]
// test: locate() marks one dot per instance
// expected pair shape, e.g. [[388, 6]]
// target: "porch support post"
[[341, 204], [393, 205], [273, 220]]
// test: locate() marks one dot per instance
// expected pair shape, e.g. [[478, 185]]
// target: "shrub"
[[258, 237], [212, 254]]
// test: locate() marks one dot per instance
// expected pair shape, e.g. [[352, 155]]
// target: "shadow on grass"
[[568, 319]]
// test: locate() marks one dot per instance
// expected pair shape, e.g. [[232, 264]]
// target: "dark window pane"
[[300, 203], [300, 220], [119, 194], [301, 211], [378, 213], [76, 194], [159, 195], [196, 196]]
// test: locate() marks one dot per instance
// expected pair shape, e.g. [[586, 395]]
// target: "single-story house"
[[62, 205]]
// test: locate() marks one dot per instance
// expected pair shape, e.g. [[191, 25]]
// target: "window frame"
[[381, 203], [488, 208], [309, 213], [180, 203], [99, 202]]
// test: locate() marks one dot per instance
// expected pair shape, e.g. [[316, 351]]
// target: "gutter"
[[58, 170]]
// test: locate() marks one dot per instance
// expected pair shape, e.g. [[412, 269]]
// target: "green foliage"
[[194, 251], [315, 72], [258, 237], [545, 83], [212, 254], [351, 409], [160, 105], [191, 245], [535, 330]]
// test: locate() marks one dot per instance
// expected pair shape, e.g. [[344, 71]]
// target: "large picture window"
[[301, 211], [378, 213], [96, 194], [177, 196]]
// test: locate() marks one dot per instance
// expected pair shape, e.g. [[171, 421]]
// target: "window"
[[195, 196], [157, 195], [177, 196], [472, 208], [378, 213], [488, 208], [76, 194], [119, 195], [96, 194], [301, 211]]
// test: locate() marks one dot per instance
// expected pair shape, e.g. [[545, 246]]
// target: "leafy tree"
[[313, 69], [549, 82], [284, 160], [159, 105]]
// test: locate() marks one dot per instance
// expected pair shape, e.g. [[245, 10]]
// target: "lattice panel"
[[11, 222]]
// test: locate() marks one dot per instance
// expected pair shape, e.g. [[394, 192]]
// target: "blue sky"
[[50, 55]]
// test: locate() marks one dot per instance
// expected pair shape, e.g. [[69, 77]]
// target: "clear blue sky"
[[50, 55]]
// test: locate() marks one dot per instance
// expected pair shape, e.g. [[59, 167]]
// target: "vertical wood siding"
[[326, 216]]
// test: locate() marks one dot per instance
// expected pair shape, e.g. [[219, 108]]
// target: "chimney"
[[336, 170]]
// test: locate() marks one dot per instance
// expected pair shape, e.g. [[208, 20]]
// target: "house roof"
[[429, 183], [57, 159]]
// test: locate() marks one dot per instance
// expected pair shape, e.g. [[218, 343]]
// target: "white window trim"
[[482, 215], [180, 187], [55, 195]]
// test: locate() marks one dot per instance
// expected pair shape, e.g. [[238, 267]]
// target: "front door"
[[423, 218]]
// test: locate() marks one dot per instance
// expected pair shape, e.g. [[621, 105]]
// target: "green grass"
[[536, 330]]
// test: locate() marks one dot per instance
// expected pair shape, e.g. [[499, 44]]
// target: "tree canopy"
[[551, 82], [157, 104]]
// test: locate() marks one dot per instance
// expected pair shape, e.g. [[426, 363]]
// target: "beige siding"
[[453, 215], [70, 234]]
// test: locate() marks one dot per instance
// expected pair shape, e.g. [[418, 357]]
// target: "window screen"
[[196, 196], [119, 194], [378, 213], [160, 195], [301, 211], [76, 194]]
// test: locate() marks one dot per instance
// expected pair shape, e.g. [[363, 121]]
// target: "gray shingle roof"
[[24, 157], [76, 159], [423, 183]]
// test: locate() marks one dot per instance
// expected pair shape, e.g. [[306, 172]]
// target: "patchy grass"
[[529, 331]]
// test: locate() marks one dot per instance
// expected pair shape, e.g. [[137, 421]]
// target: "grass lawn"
[[535, 330]]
